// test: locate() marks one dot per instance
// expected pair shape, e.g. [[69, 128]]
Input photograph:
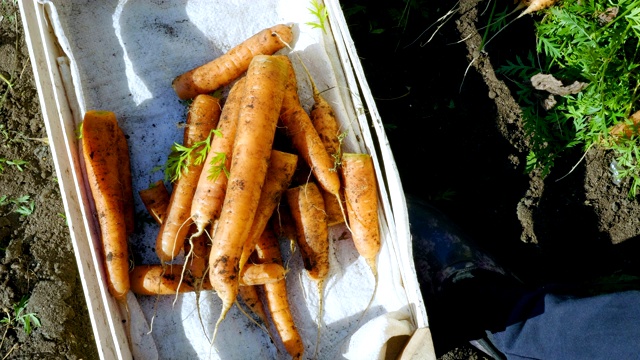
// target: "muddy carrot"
[[124, 171], [156, 199], [361, 197], [281, 168], [307, 209], [202, 117], [100, 151], [212, 184], [305, 138], [259, 110], [231, 65], [276, 298]]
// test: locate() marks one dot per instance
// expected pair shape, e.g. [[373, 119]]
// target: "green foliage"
[[23, 207], [321, 13], [594, 42], [181, 157], [28, 321], [218, 166]]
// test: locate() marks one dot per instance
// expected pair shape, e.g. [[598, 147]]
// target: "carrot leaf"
[[181, 157], [218, 166], [320, 11]]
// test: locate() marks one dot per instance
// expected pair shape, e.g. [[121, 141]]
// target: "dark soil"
[[458, 140], [37, 261], [457, 137]]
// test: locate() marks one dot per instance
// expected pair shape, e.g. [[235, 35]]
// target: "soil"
[[457, 137]]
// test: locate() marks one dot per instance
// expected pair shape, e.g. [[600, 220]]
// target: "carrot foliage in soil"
[[590, 51]]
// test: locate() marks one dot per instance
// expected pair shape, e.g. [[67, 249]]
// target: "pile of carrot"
[[240, 175]]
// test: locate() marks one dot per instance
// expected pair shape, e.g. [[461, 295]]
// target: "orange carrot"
[[259, 274], [535, 5], [203, 116], [198, 247], [166, 280], [305, 138], [361, 197], [248, 295], [627, 129], [158, 280], [307, 210], [212, 184], [281, 168], [283, 224], [156, 199], [334, 207], [100, 134], [228, 67], [276, 299], [124, 170], [260, 107]]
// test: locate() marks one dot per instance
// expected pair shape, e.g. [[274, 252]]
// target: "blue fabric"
[[549, 326]]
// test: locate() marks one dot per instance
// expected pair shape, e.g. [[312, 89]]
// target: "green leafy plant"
[[320, 12], [17, 163], [24, 207], [218, 166], [20, 318], [181, 156], [595, 43]]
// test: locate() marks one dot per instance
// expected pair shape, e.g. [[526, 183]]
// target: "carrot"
[[100, 134], [305, 138], [156, 199], [248, 295], [281, 168], [259, 110], [166, 280], [212, 184], [535, 5], [334, 206], [276, 299], [307, 209], [197, 247], [361, 197], [627, 129], [124, 170], [203, 116], [228, 67], [325, 122], [158, 280], [283, 224], [259, 274]]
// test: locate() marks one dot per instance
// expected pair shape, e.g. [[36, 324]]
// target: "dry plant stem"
[[259, 110], [14, 347]]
